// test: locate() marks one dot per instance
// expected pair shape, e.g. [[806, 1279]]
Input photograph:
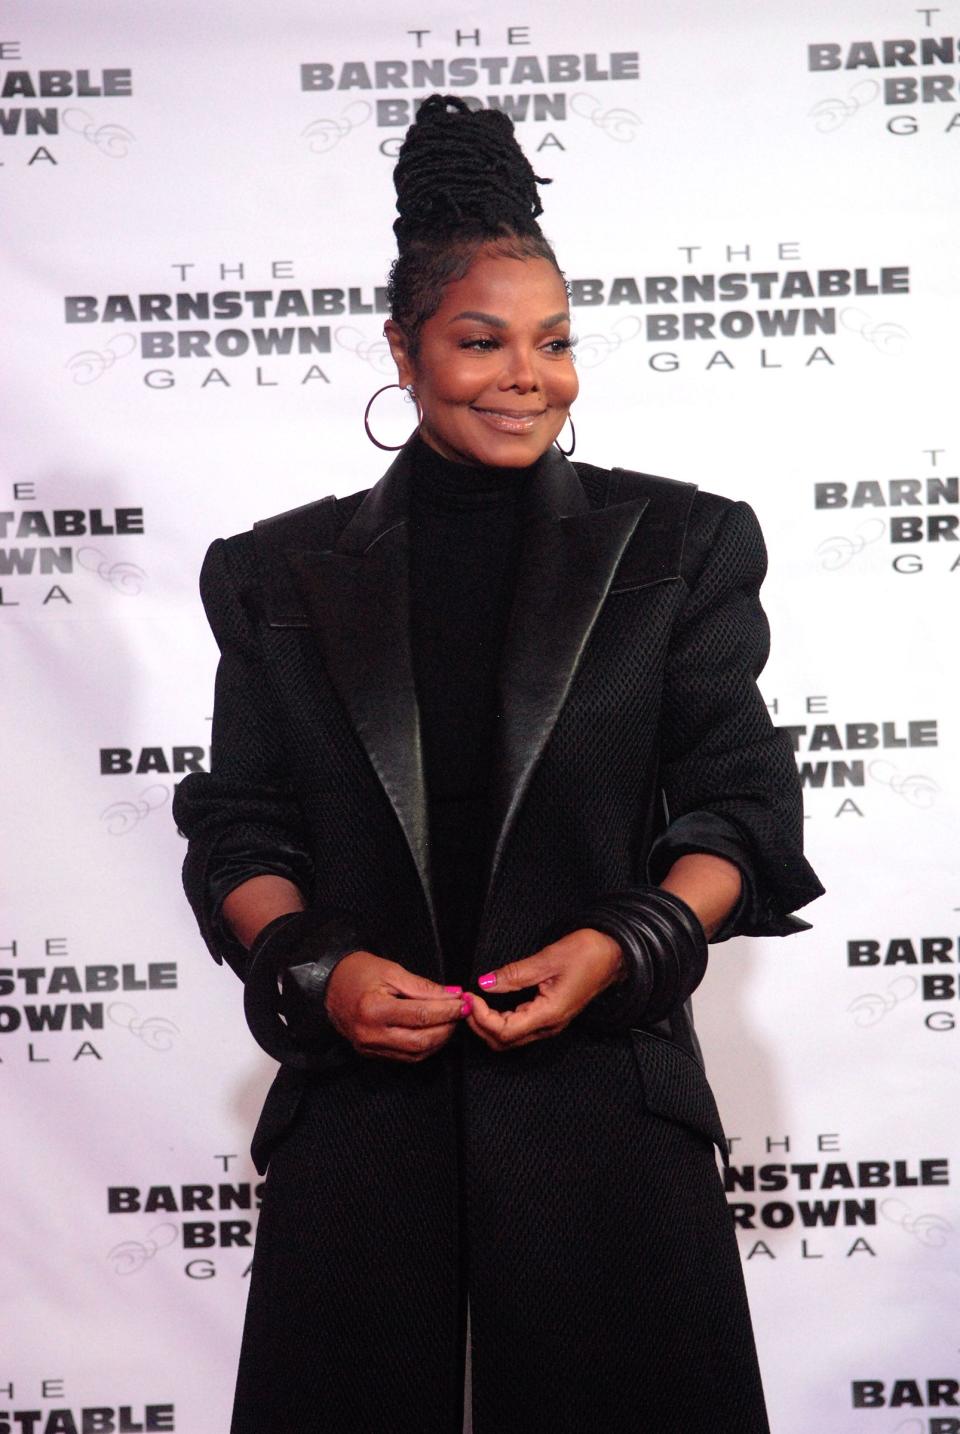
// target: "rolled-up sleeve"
[[241, 819], [729, 779]]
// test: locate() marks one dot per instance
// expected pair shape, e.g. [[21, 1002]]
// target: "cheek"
[[565, 387], [452, 383]]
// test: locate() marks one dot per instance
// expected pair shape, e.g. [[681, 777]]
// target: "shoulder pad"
[[313, 526], [655, 554]]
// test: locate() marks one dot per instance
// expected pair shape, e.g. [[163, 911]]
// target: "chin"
[[492, 450], [510, 452]]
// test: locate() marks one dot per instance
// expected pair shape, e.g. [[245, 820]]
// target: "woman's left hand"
[[567, 973]]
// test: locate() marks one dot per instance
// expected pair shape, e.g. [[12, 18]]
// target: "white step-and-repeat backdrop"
[[756, 207]]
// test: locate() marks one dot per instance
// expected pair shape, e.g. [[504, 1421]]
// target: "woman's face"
[[494, 374]]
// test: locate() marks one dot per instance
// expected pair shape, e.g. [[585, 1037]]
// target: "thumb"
[[515, 975], [407, 983]]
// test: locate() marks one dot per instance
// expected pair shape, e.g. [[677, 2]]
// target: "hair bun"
[[461, 171]]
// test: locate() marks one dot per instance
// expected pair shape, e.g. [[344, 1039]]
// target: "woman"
[[489, 766]]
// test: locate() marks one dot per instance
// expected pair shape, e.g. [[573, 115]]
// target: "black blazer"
[[632, 730], [632, 727]]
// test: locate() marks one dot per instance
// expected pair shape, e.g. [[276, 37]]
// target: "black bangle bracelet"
[[665, 948], [290, 964]]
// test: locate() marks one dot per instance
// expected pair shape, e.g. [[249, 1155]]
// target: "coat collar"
[[357, 601], [556, 492]]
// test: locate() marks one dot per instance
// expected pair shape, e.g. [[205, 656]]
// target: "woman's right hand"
[[385, 1010]]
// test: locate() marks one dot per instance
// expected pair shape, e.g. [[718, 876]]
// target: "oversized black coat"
[[569, 1186]]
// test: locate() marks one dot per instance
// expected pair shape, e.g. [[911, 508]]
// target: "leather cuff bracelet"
[[290, 963], [665, 949]]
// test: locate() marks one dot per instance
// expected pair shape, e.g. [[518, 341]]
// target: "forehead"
[[512, 289]]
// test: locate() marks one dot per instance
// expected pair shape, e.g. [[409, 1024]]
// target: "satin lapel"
[[568, 560], [357, 599]]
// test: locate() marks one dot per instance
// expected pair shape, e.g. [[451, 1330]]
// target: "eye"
[[554, 347], [560, 346]]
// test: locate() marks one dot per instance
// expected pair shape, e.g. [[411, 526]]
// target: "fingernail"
[[454, 990], [466, 1005], [490, 979]]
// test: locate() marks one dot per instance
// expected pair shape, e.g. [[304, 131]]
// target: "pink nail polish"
[[454, 990], [466, 1005], [490, 979]]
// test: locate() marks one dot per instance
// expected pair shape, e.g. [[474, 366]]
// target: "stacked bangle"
[[664, 947]]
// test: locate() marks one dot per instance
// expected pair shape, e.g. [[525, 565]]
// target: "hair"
[[463, 183]]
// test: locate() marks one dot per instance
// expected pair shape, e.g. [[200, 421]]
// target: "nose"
[[519, 370]]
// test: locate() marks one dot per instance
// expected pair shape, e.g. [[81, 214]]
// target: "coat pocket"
[[674, 1086]]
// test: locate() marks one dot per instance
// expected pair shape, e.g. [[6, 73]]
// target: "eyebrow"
[[497, 323]]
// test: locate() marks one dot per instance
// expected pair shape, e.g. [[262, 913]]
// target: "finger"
[[411, 1044], [401, 1041], [381, 1010], [491, 1019], [483, 1018], [533, 1020], [407, 983], [501, 1047], [515, 975], [381, 1053], [481, 1022], [496, 1044]]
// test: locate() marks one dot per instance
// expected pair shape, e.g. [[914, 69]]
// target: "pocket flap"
[[276, 1117], [675, 1086]]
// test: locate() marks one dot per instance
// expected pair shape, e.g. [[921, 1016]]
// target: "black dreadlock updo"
[[462, 182]]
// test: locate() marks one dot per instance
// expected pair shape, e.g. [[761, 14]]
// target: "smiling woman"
[[489, 767], [493, 372]]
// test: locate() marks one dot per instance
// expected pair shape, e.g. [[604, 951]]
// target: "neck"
[[437, 473]]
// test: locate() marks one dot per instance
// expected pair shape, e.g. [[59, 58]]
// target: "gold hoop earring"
[[390, 447], [573, 439]]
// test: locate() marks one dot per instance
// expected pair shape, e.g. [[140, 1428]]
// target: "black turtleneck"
[[465, 528]]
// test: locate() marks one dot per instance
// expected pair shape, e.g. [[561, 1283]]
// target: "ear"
[[398, 347]]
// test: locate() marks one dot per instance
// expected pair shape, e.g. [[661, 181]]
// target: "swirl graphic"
[[90, 364], [131, 1255], [838, 551], [829, 115], [886, 338], [122, 817], [124, 577], [872, 1006], [918, 790], [593, 349], [375, 353], [156, 1032], [933, 1231], [110, 139], [616, 123], [323, 135]]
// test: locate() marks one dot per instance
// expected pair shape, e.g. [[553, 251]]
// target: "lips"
[[511, 413], [510, 421]]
